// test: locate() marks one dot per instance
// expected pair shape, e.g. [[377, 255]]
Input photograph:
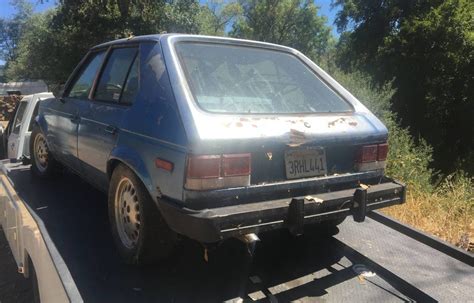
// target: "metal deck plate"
[[360, 263]]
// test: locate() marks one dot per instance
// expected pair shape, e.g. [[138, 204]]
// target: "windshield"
[[237, 79]]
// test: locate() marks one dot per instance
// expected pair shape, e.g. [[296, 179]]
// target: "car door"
[[63, 118], [14, 137], [100, 124]]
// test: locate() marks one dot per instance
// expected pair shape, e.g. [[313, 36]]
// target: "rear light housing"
[[206, 172], [371, 157]]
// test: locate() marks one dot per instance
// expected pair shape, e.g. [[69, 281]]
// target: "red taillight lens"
[[204, 167], [236, 165], [367, 153], [382, 152], [206, 172]]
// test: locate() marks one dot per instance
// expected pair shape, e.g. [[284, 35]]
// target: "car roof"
[[158, 37], [129, 40]]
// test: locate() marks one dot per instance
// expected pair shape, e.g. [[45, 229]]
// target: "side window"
[[18, 117], [112, 79], [83, 83], [131, 86]]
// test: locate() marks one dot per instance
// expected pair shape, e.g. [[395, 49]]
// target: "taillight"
[[236, 165], [367, 153], [371, 157], [206, 172], [204, 167], [382, 152]]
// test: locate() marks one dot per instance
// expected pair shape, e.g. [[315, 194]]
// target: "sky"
[[7, 10]]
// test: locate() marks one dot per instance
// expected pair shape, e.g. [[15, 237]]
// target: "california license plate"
[[302, 163]]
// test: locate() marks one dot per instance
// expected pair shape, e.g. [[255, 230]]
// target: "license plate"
[[302, 163]]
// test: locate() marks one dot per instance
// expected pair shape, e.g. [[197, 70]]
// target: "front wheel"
[[140, 232], [43, 163]]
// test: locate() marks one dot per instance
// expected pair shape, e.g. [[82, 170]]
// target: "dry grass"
[[447, 212]]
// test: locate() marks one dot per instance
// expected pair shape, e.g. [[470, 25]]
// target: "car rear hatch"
[[286, 150]]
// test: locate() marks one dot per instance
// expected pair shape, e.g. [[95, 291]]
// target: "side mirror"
[[58, 90]]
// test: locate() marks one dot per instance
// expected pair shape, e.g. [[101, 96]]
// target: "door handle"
[[111, 129]]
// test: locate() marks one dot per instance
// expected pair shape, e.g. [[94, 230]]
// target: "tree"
[[427, 49], [12, 29], [216, 16], [55, 41], [293, 23]]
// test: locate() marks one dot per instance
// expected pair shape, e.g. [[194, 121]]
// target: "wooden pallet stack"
[[7, 106]]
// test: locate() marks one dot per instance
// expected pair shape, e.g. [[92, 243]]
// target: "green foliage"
[[293, 23], [408, 160], [12, 29], [426, 49], [2, 73], [217, 15], [54, 42]]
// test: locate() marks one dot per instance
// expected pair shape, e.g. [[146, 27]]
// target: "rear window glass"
[[237, 79]]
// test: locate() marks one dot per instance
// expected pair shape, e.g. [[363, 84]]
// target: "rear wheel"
[[43, 163], [140, 232]]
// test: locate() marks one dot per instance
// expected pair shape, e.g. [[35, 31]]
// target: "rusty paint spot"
[[333, 123], [254, 125], [353, 123], [244, 119], [239, 124]]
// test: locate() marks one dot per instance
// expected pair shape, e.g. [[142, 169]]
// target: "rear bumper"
[[215, 224]]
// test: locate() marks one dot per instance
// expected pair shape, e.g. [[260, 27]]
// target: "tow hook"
[[249, 238], [251, 241]]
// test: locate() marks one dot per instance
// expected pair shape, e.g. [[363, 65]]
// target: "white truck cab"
[[19, 130]]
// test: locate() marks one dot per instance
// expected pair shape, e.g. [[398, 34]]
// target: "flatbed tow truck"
[[59, 235]]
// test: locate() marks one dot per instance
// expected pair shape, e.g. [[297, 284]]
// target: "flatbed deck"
[[394, 267]]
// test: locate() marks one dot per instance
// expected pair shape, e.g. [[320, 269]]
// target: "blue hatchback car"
[[212, 138]]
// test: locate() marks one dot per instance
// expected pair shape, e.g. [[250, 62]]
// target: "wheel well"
[[111, 165]]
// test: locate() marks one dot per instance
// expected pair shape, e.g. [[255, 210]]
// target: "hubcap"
[[127, 213], [41, 153]]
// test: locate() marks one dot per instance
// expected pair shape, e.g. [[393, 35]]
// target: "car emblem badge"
[[269, 156]]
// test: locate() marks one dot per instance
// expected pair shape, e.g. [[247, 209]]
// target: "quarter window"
[[83, 84], [114, 76]]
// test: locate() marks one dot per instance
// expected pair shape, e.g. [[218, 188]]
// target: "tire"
[[140, 233], [43, 163]]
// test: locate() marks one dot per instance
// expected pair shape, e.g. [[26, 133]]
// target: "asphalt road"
[[356, 263]]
